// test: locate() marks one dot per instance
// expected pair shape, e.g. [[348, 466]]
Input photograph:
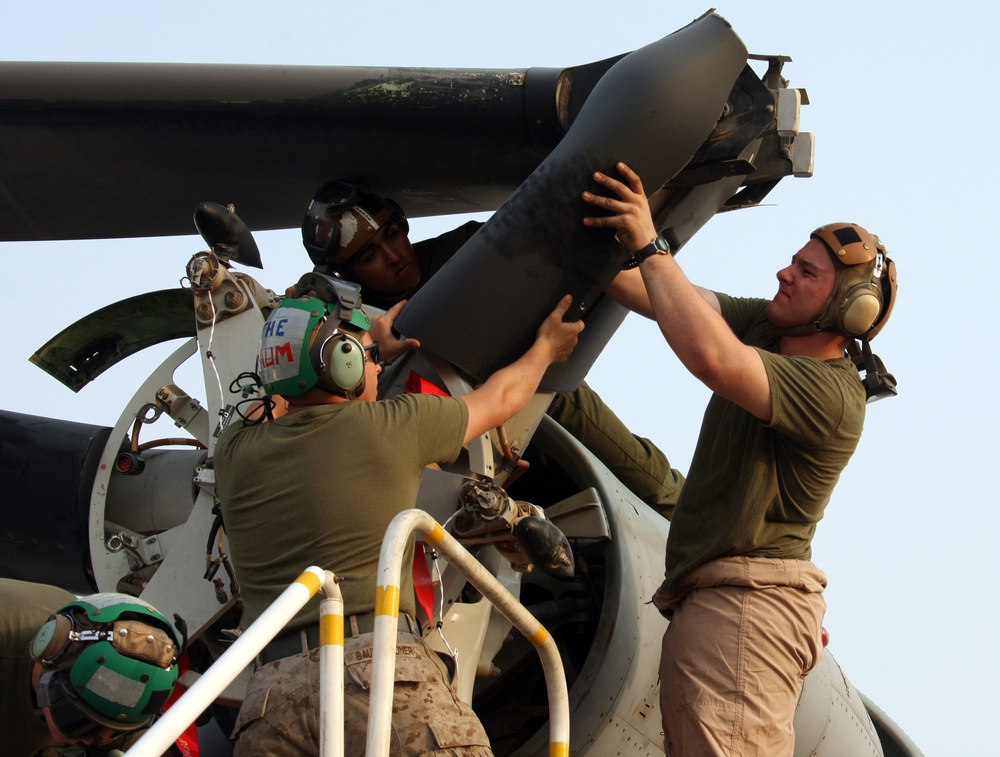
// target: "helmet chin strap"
[[813, 327], [879, 383]]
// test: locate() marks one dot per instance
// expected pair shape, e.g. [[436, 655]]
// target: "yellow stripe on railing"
[[539, 637], [331, 630], [310, 580], [386, 600], [436, 536]]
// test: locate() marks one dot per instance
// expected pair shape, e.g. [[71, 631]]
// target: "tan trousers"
[[744, 634], [280, 714]]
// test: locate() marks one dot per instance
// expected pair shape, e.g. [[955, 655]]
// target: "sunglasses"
[[372, 353]]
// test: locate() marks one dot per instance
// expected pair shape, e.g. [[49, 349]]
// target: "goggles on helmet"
[[341, 219], [321, 224]]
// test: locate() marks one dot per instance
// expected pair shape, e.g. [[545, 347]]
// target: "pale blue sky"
[[902, 105]]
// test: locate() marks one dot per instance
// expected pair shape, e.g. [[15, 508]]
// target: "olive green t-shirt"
[[759, 489], [320, 486], [26, 606]]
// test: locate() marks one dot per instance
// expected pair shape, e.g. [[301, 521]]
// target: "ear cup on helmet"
[[344, 363], [861, 305], [339, 360], [52, 638], [859, 309]]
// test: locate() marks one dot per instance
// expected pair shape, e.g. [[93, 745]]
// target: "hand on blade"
[[628, 211]]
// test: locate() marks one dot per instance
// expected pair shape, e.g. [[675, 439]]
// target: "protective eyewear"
[[320, 231]]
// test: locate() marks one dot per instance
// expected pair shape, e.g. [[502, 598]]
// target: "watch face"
[[661, 244]]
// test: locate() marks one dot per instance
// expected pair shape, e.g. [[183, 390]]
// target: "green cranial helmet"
[[107, 659], [309, 341]]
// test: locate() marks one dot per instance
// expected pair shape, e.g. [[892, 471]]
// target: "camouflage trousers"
[[743, 635], [280, 714]]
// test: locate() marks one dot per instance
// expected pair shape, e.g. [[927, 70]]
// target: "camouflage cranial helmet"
[[341, 219], [108, 660], [865, 289]]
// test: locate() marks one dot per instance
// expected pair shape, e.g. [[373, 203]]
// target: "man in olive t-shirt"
[[744, 601], [319, 485]]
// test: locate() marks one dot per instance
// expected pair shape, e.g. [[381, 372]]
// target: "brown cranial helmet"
[[865, 290], [341, 219]]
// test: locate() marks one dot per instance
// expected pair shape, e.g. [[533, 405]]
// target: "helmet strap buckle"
[[91, 635], [879, 383]]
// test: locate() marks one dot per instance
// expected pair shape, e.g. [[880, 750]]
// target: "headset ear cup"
[[861, 307], [344, 364], [51, 639]]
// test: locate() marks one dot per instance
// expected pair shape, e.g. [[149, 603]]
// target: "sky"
[[898, 107]]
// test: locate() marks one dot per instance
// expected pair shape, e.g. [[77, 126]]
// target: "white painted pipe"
[[397, 537], [207, 688], [331, 670]]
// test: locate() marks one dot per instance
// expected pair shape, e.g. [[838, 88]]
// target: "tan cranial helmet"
[[865, 290]]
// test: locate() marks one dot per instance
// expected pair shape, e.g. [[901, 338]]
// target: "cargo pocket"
[[253, 708], [281, 694], [425, 708]]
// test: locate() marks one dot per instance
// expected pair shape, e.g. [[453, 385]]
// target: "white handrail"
[[208, 687], [331, 674], [397, 538], [272, 621]]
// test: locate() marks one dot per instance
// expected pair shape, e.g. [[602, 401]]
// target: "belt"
[[307, 638]]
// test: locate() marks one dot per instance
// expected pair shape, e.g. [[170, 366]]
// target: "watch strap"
[[659, 246]]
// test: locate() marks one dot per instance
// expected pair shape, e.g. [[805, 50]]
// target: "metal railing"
[[397, 537], [245, 649], [157, 740]]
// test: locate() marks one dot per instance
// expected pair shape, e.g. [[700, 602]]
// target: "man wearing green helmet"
[[319, 485], [744, 600], [92, 671]]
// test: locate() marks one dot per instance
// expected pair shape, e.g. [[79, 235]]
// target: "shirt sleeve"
[[811, 399], [745, 315]]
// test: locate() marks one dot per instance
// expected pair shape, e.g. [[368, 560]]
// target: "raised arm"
[[629, 290], [694, 329], [390, 343], [508, 390]]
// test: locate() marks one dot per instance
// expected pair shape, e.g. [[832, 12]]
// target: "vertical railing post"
[[397, 538], [331, 670]]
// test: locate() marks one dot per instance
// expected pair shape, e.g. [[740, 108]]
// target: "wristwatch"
[[658, 246]]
